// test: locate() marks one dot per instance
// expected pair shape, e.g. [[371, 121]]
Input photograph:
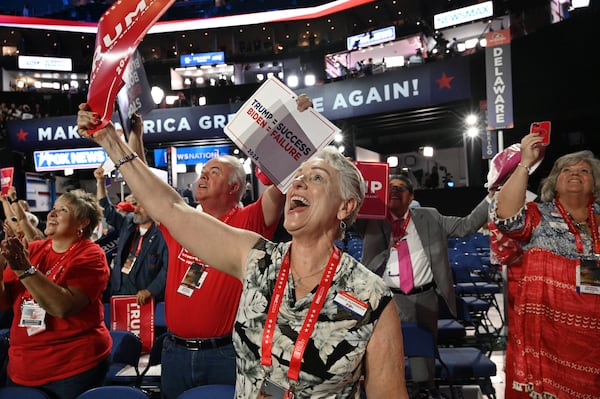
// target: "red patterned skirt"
[[553, 350]]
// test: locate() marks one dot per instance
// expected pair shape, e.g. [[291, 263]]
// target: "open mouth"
[[298, 202]]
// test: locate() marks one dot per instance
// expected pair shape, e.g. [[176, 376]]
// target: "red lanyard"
[[140, 241], [228, 215], [403, 227], [49, 273], [575, 231], [311, 318], [225, 219], [58, 262]]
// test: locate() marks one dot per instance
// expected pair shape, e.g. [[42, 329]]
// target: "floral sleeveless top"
[[333, 358]]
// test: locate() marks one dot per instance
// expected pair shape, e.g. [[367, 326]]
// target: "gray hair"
[[237, 175], [548, 185], [352, 184]]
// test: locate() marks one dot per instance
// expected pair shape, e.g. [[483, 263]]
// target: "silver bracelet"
[[125, 159]]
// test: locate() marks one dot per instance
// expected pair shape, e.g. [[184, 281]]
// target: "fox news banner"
[[270, 130]]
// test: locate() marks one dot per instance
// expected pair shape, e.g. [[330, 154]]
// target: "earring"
[[79, 232], [343, 225]]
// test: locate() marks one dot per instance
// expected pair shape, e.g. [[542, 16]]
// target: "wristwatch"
[[29, 272]]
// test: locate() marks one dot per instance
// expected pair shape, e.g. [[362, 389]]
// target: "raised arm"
[[511, 197], [8, 211], [5, 301], [273, 200], [30, 232], [136, 137], [219, 245], [101, 191]]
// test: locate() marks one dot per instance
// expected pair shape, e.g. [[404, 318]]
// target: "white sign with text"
[[270, 130]]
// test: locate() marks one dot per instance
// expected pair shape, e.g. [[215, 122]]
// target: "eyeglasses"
[[399, 189]]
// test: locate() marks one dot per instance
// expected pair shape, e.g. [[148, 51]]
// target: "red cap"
[[125, 206]]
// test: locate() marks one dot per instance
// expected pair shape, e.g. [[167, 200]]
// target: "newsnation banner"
[[393, 91]]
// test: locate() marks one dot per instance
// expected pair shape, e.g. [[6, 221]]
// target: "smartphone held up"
[[543, 129]]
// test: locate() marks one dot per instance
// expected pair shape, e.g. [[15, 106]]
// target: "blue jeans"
[[183, 368], [71, 387]]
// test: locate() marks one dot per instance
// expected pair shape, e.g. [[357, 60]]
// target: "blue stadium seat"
[[126, 352], [216, 391], [114, 391], [22, 393]]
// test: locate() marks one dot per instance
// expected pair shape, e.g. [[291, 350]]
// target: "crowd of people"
[[297, 317], [14, 111], [324, 199]]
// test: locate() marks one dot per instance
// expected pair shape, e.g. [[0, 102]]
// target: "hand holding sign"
[[376, 175], [6, 179], [271, 128], [120, 29]]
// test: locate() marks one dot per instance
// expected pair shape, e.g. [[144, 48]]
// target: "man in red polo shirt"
[[201, 302]]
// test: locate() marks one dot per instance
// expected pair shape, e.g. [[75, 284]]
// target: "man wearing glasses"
[[409, 251]]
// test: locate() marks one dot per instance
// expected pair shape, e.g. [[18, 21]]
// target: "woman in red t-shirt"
[[58, 340]]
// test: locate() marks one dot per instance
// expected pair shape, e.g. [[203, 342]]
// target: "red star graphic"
[[444, 81], [22, 135]]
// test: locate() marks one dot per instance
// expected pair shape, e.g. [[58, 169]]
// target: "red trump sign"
[[120, 29], [376, 175]]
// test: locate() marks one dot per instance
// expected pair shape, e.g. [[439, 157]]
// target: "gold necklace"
[[299, 280], [582, 226]]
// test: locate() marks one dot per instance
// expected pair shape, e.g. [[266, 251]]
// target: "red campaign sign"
[[6, 178], [127, 315], [376, 175], [120, 29]]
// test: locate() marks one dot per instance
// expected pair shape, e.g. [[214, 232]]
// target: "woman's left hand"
[[16, 254]]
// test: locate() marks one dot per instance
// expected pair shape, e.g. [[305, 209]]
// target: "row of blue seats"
[[122, 392], [478, 285]]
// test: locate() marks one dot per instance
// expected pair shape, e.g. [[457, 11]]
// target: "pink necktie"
[[404, 263]]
